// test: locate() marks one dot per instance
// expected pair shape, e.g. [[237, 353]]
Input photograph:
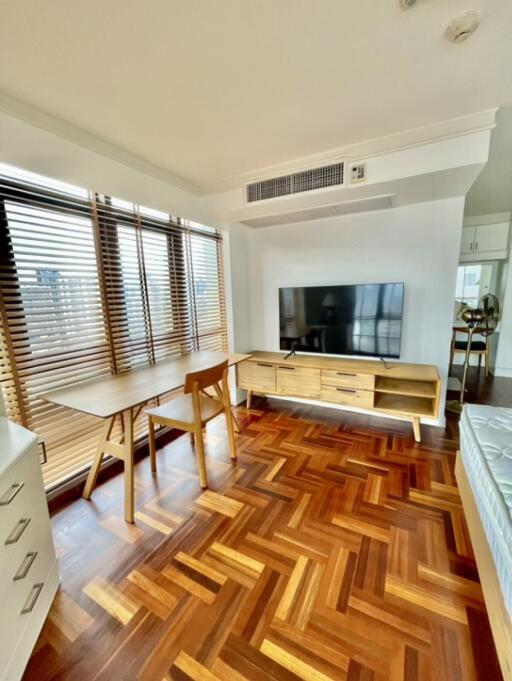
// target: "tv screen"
[[360, 319]]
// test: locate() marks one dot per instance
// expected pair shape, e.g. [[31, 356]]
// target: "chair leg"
[[451, 362], [192, 441], [416, 428], [152, 446], [486, 359], [201, 464], [220, 396], [236, 424], [231, 432], [228, 413]]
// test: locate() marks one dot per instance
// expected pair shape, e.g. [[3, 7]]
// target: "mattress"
[[486, 450]]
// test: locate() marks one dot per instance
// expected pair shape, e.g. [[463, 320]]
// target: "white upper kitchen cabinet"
[[483, 239]]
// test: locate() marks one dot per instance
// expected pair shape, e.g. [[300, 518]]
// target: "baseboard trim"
[[502, 372]]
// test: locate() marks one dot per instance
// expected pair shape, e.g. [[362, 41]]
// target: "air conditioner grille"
[[296, 183]]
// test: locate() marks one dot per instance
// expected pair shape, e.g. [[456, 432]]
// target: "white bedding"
[[486, 450]]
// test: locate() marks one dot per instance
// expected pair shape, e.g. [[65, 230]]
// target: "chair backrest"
[[205, 378]]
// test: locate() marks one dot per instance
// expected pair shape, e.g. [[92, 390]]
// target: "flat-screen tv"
[[359, 319]]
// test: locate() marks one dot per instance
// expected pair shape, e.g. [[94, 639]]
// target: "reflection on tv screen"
[[360, 319]]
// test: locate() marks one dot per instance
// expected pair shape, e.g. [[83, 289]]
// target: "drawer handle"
[[18, 531], [13, 490], [344, 373], [288, 368], [25, 566], [31, 601], [260, 364], [346, 390]]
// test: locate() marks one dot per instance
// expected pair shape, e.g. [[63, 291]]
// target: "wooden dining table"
[[123, 396]]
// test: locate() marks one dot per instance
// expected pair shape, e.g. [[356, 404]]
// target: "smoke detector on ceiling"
[[463, 26]]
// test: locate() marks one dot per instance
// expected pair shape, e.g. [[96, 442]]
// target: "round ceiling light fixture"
[[463, 26]]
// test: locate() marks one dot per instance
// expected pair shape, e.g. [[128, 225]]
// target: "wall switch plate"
[[357, 173]]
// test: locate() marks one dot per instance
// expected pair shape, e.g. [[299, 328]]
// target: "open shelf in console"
[[404, 404], [401, 386]]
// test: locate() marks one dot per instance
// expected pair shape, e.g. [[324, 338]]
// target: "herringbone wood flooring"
[[336, 548]]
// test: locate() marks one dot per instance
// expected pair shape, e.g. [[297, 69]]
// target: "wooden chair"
[[191, 411], [480, 348]]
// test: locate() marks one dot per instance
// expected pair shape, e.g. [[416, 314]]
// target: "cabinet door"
[[298, 381], [256, 376], [467, 240], [491, 237]]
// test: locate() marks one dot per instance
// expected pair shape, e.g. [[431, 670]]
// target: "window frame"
[[105, 218]]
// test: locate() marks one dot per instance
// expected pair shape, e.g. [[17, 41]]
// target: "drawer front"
[[31, 543], [257, 376], [350, 397], [298, 381], [346, 379], [22, 501], [25, 607], [27, 559], [31, 568]]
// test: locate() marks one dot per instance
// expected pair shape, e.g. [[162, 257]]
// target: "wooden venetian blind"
[[90, 286], [164, 284]]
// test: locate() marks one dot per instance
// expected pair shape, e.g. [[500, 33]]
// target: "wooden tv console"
[[409, 391]]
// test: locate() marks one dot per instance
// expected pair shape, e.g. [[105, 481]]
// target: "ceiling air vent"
[[296, 183]]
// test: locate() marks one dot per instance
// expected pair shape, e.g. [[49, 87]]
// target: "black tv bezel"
[[360, 356]]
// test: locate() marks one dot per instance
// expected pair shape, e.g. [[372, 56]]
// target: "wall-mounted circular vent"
[[463, 26]]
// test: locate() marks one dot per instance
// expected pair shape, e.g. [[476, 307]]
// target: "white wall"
[[491, 191], [26, 146], [236, 270], [240, 287], [416, 244]]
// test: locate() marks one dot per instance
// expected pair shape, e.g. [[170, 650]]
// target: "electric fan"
[[482, 320]]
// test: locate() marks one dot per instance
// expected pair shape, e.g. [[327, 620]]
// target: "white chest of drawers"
[[29, 575]]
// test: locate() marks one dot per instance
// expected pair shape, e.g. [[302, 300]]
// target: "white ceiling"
[[492, 191], [213, 89]]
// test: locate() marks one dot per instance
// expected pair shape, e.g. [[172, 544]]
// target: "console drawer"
[[346, 379], [257, 376], [298, 381], [350, 397]]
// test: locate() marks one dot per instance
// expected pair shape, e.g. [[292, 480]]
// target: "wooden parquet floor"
[[336, 548]]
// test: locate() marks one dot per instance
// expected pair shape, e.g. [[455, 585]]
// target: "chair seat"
[[476, 346], [181, 410]]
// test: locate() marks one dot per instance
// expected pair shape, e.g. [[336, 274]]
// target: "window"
[[474, 281], [92, 285]]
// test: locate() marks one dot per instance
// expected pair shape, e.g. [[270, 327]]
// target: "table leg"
[[249, 399], [98, 458], [128, 467], [152, 444]]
